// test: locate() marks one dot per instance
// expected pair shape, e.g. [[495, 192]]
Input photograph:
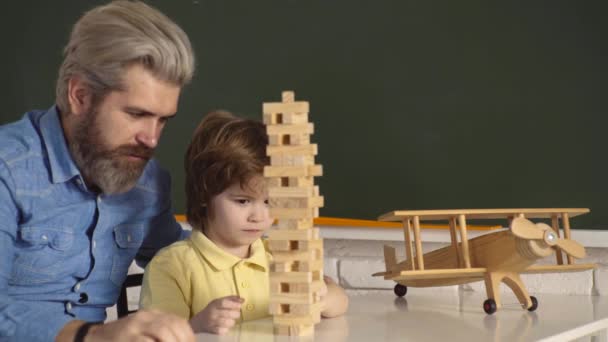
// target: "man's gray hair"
[[109, 38]]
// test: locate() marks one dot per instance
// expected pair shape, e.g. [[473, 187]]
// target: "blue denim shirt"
[[64, 250]]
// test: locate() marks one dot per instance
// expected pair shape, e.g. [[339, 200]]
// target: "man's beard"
[[110, 170]]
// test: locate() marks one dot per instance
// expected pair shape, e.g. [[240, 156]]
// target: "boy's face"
[[238, 217]]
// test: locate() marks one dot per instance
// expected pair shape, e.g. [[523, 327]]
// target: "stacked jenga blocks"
[[296, 274]]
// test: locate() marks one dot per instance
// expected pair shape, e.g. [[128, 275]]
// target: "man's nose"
[[149, 135]]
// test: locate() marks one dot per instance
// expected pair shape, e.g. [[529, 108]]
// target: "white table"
[[447, 317]]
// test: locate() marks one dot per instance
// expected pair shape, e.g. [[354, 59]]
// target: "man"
[[80, 197]]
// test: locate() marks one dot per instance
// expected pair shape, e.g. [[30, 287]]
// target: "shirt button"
[[68, 307], [245, 284], [250, 307], [84, 297], [44, 237], [94, 244], [98, 200], [129, 238], [77, 287]]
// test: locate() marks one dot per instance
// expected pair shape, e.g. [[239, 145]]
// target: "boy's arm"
[[336, 300], [165, 286]]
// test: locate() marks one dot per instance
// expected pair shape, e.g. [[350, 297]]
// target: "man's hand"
[[144, 325], [219, 315]]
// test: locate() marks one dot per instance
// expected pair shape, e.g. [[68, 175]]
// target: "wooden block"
[[291, 160], [305, 202], [294, 319], [295, 256], [293, 171], [291, 277], [313, 287], [275, 288], [299, 139], [300, 181], [288, 96], [282, 267], [292, 298], [279, 245], [305, 128], [294, 330], [291, 192], [293, 234], [311, 244], [275, 140], [303, 309], [288, 313], [274, 182], [294, 213], [275, 309], [310, 149], [309, 266], [295, 224], [285, 108]]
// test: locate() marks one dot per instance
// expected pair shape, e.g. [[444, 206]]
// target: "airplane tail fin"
[[390, 257]]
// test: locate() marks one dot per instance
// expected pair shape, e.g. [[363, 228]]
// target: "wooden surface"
[[416, 317], [503, 213]]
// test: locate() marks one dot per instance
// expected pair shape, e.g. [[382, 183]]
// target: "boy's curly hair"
[[224, 150]]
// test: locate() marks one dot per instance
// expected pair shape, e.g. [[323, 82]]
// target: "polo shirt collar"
[[223, 260], [61, 164]]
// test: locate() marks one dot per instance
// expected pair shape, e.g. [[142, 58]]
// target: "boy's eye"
[[242, 200]]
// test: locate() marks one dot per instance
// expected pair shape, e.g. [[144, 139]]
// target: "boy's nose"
[[259, 213]]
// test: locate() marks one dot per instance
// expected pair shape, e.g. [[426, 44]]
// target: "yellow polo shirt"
[[185, 276]]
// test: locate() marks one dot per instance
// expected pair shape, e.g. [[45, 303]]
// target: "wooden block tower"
[[296, 274]]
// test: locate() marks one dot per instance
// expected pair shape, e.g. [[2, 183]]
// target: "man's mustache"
[[137, 150]]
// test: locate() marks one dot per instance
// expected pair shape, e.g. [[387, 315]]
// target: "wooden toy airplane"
[[496, 257]]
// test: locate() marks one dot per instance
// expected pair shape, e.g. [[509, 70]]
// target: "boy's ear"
[[79, 96]]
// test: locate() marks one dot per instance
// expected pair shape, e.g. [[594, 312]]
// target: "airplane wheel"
[[489, 306], [534, 304], [400, 290]]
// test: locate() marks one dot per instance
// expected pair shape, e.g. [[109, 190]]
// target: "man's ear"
[[79, 96]]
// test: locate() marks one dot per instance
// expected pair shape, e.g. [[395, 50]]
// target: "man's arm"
[[164, 230], [19, 321]]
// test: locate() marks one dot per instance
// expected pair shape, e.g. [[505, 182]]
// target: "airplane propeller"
[[527, 230]]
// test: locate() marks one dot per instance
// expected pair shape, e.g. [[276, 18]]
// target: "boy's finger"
[[229, 313], [231, 302]]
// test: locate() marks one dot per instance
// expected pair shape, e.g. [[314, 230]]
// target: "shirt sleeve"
[[165, 286], [164, 230], [19, 320]]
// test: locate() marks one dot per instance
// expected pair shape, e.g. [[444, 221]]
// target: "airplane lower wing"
[[434, 274], [559, 268]]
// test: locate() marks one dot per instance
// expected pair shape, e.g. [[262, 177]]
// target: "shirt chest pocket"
[[128, 238], [42, 255]]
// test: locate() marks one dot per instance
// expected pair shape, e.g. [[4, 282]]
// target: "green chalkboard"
[[416, 104]]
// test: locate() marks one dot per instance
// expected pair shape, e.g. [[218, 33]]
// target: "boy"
[[220, 273]]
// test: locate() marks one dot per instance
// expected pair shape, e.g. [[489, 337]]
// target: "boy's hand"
[[334, 299], [219, 315]]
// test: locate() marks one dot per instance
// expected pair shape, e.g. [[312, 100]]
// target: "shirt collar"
[[223, 260], [62, 166]]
